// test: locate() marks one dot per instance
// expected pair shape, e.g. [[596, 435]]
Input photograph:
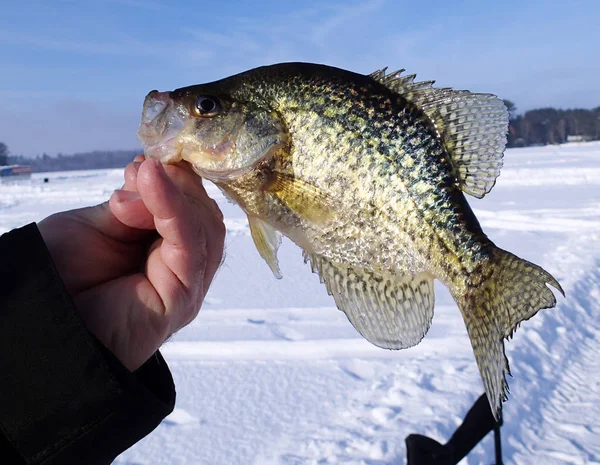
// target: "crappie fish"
[[367, 174]]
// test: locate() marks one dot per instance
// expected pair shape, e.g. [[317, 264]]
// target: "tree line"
[[551, 126], [98, 159]]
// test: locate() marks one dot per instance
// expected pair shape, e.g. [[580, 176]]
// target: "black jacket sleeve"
[[64, 398]]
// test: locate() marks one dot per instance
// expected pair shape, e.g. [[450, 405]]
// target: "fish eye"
[[207, 106]]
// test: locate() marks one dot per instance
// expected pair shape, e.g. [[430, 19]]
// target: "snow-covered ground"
[[271, 373]]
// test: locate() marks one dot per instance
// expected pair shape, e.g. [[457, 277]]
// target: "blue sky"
[[73, 74]]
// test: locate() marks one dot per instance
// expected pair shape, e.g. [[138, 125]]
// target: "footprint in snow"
[[288, 334], [359, 369]]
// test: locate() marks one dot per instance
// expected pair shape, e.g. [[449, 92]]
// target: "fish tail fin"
[[501, 294]]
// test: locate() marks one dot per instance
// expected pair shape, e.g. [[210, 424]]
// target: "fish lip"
[[155, 112], [160, 127]]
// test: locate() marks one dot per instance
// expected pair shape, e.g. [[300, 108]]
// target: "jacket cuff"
[[64, 397]]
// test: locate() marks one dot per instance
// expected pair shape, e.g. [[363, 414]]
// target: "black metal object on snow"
[[479, 421]]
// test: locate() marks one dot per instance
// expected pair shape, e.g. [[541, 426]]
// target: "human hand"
[[139, 266]]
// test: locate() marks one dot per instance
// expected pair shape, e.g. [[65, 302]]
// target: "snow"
[[271, 373]]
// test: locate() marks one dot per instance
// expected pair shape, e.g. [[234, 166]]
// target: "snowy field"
[[272, 373]]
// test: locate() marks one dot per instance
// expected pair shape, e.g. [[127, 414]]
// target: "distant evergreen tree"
[[3, 154], [510, 106]]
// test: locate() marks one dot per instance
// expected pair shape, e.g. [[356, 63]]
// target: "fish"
[[368, 175]]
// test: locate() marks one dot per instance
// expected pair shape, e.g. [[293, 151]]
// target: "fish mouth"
[[160, 127]]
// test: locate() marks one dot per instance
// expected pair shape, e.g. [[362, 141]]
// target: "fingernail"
[[136, 165], [125, 196]]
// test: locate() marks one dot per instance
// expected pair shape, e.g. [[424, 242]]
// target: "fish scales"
[[367, 174], [387, 152]]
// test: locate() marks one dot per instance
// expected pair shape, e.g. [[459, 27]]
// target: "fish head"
[[221, 136]]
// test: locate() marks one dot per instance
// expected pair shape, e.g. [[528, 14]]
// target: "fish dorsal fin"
[[472, 126], [267, 241], [393, 312]]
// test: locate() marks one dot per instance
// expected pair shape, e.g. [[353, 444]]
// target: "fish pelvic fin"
[[390, 311], [267, 241], [473, 127], [507, 291]]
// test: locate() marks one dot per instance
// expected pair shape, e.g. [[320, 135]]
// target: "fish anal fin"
[[473, 127], [267, 241], [390, 311]]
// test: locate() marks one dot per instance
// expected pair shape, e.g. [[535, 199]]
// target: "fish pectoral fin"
[[304, 199], [390, 311], [267, 241], [472, 126]]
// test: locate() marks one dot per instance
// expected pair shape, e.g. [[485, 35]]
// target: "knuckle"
[[189, 306], [202, 251], [208, 225], [161, 325], [191, 312]]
